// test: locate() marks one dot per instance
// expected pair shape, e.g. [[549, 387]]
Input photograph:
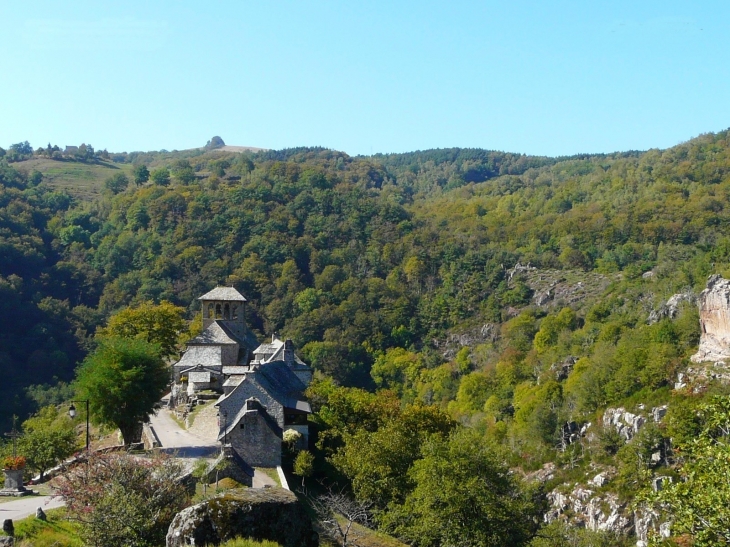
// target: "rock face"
[[272, 513], [714, 303], [597, 512], [671, 308]]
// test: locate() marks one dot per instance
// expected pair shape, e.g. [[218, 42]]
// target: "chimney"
[[289, 352]]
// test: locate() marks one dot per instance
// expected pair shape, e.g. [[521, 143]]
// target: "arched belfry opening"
[[224, 304]]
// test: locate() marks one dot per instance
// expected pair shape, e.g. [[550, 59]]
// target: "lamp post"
[[72, 413]]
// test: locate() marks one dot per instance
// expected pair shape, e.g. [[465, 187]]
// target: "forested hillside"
[[511, 293]]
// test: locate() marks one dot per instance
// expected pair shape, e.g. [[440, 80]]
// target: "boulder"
[[714, 304], [272, 514]]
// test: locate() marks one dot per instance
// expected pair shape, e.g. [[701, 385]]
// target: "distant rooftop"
[[224, 293]]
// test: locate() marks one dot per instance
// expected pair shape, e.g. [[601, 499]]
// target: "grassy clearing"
[[81, 180], [240, 542], [53, 532]]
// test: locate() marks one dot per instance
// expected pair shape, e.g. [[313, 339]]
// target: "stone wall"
[[257, 439]]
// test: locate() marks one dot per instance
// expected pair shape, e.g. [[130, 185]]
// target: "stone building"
[[225, 342], [262, 385]]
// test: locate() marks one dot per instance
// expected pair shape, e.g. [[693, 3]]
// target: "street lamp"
[[72, 413]]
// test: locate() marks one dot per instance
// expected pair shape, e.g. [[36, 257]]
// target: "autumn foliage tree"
[[163, 324]]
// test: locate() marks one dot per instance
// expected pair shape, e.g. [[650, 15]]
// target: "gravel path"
[[181, 442]]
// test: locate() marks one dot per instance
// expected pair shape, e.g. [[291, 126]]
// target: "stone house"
[[262, 385]]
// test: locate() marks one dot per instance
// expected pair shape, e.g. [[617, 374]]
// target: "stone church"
[[261, 386]]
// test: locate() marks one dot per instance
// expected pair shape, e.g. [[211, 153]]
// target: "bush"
[[119, 499]]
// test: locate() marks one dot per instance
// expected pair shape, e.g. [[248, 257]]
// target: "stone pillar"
[[14, 480]]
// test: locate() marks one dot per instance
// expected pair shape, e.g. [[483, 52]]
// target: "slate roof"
[[200, 368], [208, 356], [235, 370], [224, 293], [276, 379], [216, 333], [233, 381], [284, 386], [274, 351]]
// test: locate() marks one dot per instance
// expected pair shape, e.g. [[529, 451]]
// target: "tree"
[[48, 438], [200, 471], [464, 496], [116, 183], [337, 513], [378, 462], [119, 499], [161, 324], [697, 503], [123, 379], [160, 176], [304, 464], [215, 142], [141, 174]]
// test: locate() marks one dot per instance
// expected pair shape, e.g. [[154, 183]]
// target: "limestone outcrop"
[[273, 514], [671, 308], [714, 304], [598, 512]]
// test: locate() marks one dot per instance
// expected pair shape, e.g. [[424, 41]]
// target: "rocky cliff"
[[714, 303]]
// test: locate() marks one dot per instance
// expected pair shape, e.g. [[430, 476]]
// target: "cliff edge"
[[714, 304]]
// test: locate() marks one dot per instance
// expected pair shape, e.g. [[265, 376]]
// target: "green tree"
[[378, 462], [161, 324], [160, 176], [304, 464], [141, 174], [116, 183], [697, 503], [48, 438], [465, 496], [123, 379], [397, 369]]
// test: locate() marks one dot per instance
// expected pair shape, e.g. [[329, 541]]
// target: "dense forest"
[[480, 298]]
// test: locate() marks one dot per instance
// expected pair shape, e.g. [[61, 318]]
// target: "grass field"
[[82, 180]]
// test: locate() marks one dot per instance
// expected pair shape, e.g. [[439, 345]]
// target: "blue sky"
[[551, 78]]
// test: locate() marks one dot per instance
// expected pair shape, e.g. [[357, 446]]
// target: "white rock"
[[714, 304]]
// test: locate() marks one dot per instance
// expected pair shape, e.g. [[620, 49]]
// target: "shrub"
[[119, 499]]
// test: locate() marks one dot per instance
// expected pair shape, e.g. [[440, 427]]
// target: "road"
[[26, 506], [180, 442]]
